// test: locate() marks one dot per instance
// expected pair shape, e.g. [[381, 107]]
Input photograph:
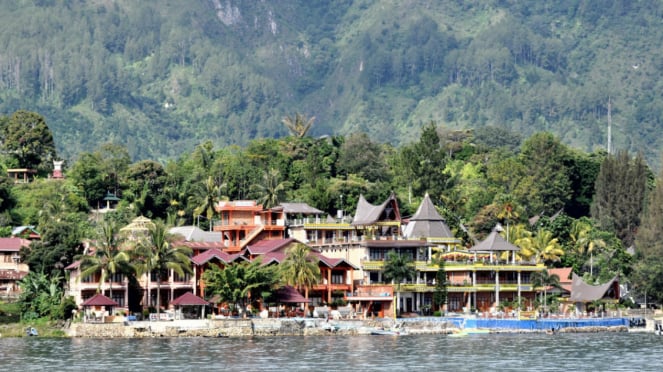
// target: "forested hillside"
[[163, 76]]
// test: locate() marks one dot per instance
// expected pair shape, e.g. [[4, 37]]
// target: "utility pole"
[[609, 126]]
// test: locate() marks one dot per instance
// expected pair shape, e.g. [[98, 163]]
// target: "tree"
[[107, 257], [545, 279], [440, 293], [619, 199], [207, 195], [648, 269], [27, 138], [298, 125], [270, 192], [240, 282], [300, 268], [157, 253], [546, 248], [398, 267], [586, 240]]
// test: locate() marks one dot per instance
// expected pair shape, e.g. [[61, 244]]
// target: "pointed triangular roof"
[[368, 214], [99, 300], [427, 222], [494, 242], [189, 299]]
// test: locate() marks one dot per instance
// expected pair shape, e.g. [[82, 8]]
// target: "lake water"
[[482, 352]]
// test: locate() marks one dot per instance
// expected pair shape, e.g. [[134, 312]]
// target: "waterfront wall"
[[323, 327]]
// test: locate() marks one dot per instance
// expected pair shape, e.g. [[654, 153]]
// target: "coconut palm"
[[271, 190], [157, 253], [546, 247], [507, 211], [206, 195], [299, 268], [545, 279], [398, 267], [298, 125], [586, 241], [107, 258]]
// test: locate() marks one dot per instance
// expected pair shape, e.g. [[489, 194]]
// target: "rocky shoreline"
[[283, 327]]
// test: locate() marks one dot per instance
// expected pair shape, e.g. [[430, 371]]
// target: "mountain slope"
[[163, 76]]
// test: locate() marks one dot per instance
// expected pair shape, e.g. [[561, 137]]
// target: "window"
[[182, 278], [337, 278]]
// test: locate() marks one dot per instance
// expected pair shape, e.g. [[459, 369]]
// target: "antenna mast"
[[609, 126]]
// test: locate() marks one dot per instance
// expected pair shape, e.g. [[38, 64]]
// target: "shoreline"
[[275, 327]]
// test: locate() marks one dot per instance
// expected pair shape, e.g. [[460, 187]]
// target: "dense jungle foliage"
[[599, 213], [162, 77]]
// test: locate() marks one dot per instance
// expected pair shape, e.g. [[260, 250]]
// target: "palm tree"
[[546, 248], [586, 241], [107, 257], [300, 269], [544, 279], [507, 211], [298, 125], [207, 195], [397, 268], [158, 254], [271, 189]]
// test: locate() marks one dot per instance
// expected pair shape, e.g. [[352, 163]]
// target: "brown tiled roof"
[[564, 274], [13, 244], [189, 299], [269, 245], [288, 295], [215, 253], [99, 300]]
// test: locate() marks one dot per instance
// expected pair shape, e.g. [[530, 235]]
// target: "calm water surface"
[[486, 352]]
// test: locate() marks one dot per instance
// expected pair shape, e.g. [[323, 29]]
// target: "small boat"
[[388, 332], [31, 331], [458, 334]]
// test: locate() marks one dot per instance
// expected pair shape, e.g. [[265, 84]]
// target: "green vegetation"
[[162, 77]]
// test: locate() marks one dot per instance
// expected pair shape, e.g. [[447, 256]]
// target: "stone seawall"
[[249, 327]]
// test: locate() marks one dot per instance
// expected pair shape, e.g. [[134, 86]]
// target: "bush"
[[437, 313]]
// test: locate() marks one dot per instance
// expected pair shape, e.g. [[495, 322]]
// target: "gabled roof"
[[195, 234], [215, 253], [494, 242], [272, 257], [333, 262], [298, 208], [189, 299], [583, 292], [99, 300], [288, 295], [368, 214], [13, 244], [427, 222], [203, 245], [564, 274], [27, 231], [268, 245]]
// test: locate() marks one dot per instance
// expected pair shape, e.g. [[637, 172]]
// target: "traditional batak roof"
[[298, 208], [195, 234], [369, 214], [427, 222], [99, 300], [494, 242], [215, 253], [583, 292], [189, 299]]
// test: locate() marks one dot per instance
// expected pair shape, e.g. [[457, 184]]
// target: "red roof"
[[189, 299], [13, 244], [288, 295], [99, 300], [214, 253], [268, 245], [564, 274]]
